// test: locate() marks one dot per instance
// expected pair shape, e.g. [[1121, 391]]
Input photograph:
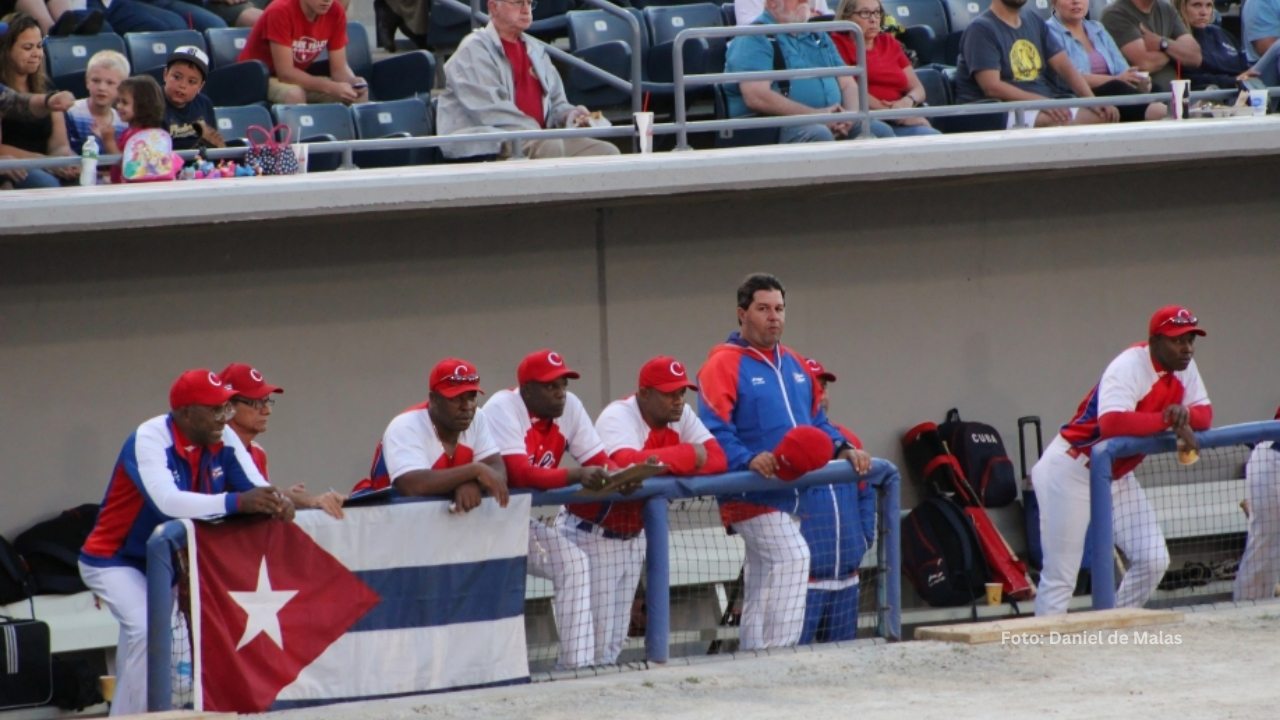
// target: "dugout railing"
[[1158, 448], [658, 493]]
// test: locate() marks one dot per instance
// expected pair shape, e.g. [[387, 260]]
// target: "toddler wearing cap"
[[188, 113]]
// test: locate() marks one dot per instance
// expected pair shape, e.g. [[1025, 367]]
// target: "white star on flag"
[[263, 606]]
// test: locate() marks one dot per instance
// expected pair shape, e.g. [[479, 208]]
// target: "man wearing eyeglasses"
[[1148, 389], [443, 446], [799, 96], [184, 464], [500, 79], [252, 404]]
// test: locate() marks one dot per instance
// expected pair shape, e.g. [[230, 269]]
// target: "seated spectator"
[[807, 96], [1260, 25], [1267, 67], [745, 12], [891, 81], [141, 107], [22, 69], [1009, 55], [407, 16], [126, 16], [1221, 57], [107, 69], [1096, 56], [188, 113], [289, 37], [1152, 38], [30, 107], [501, 79], [240, 13], [56, 18]]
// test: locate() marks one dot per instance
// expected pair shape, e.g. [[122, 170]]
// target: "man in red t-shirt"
[[501, 79], [289, 37]]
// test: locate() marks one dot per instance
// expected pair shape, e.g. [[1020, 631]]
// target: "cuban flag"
[[392, 600]]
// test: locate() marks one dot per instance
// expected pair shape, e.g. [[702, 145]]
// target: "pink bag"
[[272, 157], [148, 156]]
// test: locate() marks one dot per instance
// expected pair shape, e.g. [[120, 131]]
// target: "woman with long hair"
[[22, 69], [891, 81]]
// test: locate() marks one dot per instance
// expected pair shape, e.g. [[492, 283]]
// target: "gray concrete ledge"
[[615, 179]]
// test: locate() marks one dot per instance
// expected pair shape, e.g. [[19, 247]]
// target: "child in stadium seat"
[[141, 105], [289, 37], [107, 69], [188, 113]]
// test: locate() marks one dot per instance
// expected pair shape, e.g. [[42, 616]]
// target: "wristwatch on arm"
[[1164, 45]]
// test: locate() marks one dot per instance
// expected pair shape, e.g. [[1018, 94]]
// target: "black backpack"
[[15, 579], [52, 550], [940, 554], [982, 457]]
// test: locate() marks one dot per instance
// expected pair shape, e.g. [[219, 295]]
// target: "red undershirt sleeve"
[[521, 474], [1201, 417], [1119, 424]]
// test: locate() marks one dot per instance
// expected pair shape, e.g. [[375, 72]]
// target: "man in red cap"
[[252, 404], [754, 390], [534, 425], [652, 426], [1148, 389], [839, 523], [184, 464], [443, 446]]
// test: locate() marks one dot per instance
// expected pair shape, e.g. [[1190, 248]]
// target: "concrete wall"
[[1003, 294]]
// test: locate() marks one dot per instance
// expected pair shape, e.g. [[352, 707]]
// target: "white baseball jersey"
[[544, 443], [411, 443], [622, 427]]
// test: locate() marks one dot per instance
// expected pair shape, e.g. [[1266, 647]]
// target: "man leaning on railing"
[[805, 96], [501, 79]]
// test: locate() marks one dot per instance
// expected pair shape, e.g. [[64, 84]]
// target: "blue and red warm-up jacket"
[[749, 399], [128, 513], [838, 522]]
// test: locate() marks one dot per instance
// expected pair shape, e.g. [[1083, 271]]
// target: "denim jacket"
[[1101, 40]]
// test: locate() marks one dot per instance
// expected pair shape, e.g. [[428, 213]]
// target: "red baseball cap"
[[543, 366], [247, 381], [199, 387], [1173, 321], [819, 371], [665, 374], [803, 449], [453, 376]]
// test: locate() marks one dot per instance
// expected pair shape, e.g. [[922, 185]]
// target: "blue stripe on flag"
[[434, 595]]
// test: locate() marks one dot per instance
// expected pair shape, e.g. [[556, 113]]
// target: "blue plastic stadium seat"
[[148, 51], [320, 122], [225, 44], [234, 122], [604, 40], [549, 20], [960, 13], [701, 55], [929, 44], [67, 57], [408, 117]]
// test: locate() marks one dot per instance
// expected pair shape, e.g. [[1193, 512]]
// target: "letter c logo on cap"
[[213, 379], [461, 370], [677, 369], [554, 359], [253, 373]]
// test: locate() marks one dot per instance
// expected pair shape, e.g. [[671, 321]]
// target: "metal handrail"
[[680, 81], [347, 147], [633, 86]]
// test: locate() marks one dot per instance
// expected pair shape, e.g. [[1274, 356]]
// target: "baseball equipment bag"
[[981, 454], [52, 549], [26, 674], [15, 579], [269, 155], [940, 554], [930, 461]]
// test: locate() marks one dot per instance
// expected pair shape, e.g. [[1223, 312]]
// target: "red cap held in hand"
[[803, 449]]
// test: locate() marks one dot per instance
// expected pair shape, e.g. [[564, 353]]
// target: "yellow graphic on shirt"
[[1024, 59]]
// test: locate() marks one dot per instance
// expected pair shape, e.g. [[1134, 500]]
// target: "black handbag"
[[26, 669]]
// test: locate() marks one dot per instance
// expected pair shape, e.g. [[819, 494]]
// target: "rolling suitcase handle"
[[1023, 422]]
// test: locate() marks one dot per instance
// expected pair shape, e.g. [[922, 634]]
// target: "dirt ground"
[[1222, 661]]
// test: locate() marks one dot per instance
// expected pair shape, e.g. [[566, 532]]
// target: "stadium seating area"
[[402, 83]]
